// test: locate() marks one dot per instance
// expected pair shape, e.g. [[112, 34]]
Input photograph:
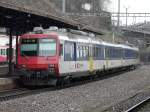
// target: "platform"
[[7, 83], [3, 70]]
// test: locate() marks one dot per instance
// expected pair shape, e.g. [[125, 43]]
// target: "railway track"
[[9, 94], [138, 106], [22, 92]]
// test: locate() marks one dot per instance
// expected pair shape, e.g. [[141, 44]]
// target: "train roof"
[[110, 44], [129, 47], [76, 35], [120, 45]]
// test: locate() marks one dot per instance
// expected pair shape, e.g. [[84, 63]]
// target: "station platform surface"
[[7, 83]]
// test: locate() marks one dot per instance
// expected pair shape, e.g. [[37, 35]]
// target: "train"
[[4, 54], [56, 55], [4, 49]]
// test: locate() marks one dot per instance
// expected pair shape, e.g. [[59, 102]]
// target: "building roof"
[[43, 8], [37, 7]]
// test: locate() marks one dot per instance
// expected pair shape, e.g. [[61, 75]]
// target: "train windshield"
[[38, 47], [29, 47], [47, 47]]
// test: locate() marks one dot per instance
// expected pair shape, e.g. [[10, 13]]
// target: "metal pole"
[[100, 6], [16, 48], [10, 51], [118, 24], [64, 6], [126, 17]]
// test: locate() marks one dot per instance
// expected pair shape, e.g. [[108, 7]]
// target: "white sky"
[[138, 6]]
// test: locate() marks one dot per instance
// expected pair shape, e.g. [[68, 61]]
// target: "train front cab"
[[38, 58]]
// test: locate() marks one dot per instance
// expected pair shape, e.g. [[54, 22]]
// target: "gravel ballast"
[[84, 98]]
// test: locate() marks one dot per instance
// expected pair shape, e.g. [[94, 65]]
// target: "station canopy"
[[22, 15]]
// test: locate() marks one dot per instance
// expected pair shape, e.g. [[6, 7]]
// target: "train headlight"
[[23, 66], [51, 65], [51, 68]]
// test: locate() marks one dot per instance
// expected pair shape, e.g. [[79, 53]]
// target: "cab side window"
[[61, 50]]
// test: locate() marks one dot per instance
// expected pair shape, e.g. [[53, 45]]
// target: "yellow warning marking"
[[91, 64], [106, 63]]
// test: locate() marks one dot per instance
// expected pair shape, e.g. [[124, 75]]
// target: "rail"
[[133, 108]]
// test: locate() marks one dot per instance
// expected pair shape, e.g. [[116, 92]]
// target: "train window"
[[94, 52], [117, 53], [29, 50], [77, 51], [128, 53], [29, 47], [87, 52], [82, 52], [108, 53], [2, 51], [47, 47], [97, 52], [69, 51], [113, 53]]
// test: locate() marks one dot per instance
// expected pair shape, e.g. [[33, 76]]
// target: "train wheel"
[[61, 82]]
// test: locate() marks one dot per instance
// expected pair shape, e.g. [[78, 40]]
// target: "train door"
[[61, 56], [68, 64], [82, 57]]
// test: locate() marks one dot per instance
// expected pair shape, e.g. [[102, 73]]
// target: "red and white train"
[[51, 56], [4, 49], [3, 54]]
